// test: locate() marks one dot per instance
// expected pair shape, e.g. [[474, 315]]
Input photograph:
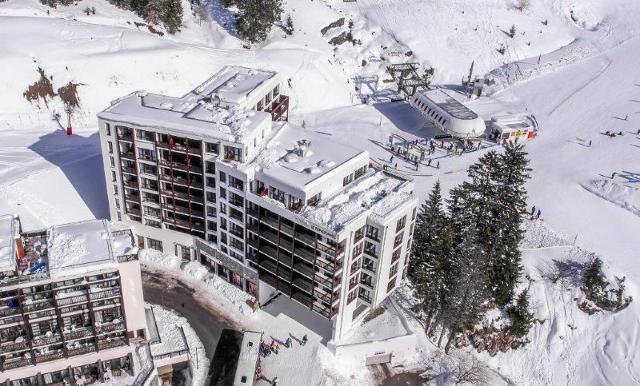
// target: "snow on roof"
[[191, 114], [450, 105], [7, 243], [234, 83], [297, 157], [80, 247], [248, 358], [377, 193]]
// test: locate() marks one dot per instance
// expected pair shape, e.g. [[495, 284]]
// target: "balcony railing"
[[303, 284], [128, 155], [181, 166], [72, 300], [50, 356], [304, 269], [41, 305], [17, 363], [111, 327], [105, 294], [180, 147], [79, 333], [111, 343], [82, 350], [44, 340], [305, 254], [9, 311], [14, 346]]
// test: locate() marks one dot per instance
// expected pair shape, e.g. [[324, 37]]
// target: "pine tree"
[[466, 286], [520, 315], [172, 16], [594, 280], [256, 17], [432, 241], [511, 204]]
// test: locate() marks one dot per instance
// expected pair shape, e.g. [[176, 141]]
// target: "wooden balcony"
[[14, 364], [79, 333], [112, 342], [44, 340], [81, 350], [14, 346], [50, 356]]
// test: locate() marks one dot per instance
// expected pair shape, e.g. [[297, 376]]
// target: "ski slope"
[[585, 83]]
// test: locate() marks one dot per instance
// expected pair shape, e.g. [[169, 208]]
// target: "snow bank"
[[625, 196]]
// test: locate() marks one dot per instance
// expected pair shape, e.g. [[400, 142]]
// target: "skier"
[[391, 160], [613, 175], [589, 143], [538, 214], [287, 342], [438, 165], [533, 210], [275, 381], [304, 339]]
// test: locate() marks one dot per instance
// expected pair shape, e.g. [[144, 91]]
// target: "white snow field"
[[574, 68]]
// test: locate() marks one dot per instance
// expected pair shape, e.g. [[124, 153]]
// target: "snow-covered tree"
[[520, 316]]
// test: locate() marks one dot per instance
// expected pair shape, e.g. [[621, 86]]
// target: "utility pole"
[[67, 109]]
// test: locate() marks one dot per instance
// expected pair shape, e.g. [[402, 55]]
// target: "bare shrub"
[[40, 90], [69, 95]]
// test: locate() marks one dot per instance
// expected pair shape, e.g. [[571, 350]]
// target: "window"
[[276, 91], [352, 296], [154, 244], [117, 204], [112, 162], [152, 223], [212, 148], [223, 193], [223, 208], [413, 215], [260, 105], [113, 176], [211, 197], [267, 99], [211, 211], [401, 223], [355, 266], [393, 270], [347, 180], [236, 183], [145, 135], [373, 233], [210, 167], [222, 177], [115, 190], [391, 285], [358, 235], [398, 240], [108, 128], [370, 249], [395, 256], [357, 250], [360, 172], [110, 147]]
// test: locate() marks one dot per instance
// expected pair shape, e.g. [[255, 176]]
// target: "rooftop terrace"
[[67, 250], [297, 157]]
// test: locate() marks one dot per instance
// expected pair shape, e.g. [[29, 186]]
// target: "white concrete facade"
[[261, 207]]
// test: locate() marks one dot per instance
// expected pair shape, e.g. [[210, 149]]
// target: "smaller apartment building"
[[72, 308], [217, 176]]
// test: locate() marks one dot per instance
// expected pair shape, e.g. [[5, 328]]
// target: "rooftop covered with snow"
[[297, 157], [7, 243], [80, 247], [215, 109], [449, 104], [248, 358], [234, 83], [376, 194]]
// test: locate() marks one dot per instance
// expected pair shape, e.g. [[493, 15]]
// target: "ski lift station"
[[504, 128], [448, 114]]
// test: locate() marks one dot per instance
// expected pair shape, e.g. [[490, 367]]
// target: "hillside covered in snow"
[[571, 63]]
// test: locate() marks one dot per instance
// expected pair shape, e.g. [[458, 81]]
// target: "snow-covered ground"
[[584, 83]]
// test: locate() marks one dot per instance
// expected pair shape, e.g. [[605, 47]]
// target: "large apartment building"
[[218, 175], [72, 308]]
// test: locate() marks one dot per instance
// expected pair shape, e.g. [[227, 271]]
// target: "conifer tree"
[[432, 242], [594, 280], [466, 287], [256, 17], [520, 315]]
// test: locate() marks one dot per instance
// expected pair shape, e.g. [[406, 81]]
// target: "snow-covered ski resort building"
[[448, 114], [218, 176], [72, 304]]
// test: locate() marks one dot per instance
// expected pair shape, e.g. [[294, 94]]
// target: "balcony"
[[303, 298], [180, 147], [125, 136], [50, 356], [286, 229], [132, 197], [305, 254], [303, 284], [252, 212], [81, 350], [79, 333], [134, 212], [304, 270], [128, 155], [44, 340], [128, 170], [109, 293], [326, 282], [112, 342], [72, 300], [271, 221], [11, 320], [40, 305], [279, 108], [14, 346], [14, 364], [269, 266], [306, 238], [131, 183], [110, 327], [193, 182], [181, 166], [8, 311]]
